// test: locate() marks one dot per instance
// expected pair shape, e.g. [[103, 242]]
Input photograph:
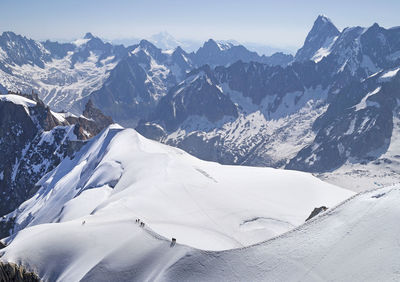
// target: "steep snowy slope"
[[33, 141], [356, 241], [121, 174]]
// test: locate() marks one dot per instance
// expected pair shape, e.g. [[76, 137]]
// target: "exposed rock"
[[316, 212], [15, 273], [33, 141]]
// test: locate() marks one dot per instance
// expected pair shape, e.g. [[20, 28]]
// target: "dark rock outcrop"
[[316, 212], [32, 142], [12, 272]]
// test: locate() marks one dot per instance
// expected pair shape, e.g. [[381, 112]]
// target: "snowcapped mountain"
[[165, 41], [125, 82], [225, 53], [62, 74], [120, 176], [319, 40], [33, 140], [303, 116], [139, 80], [257, 112]]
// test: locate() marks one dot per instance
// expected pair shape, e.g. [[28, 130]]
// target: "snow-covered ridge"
[[104, 248], [204, 204]]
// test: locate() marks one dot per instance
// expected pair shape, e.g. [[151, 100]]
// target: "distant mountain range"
[[166, 41], [316, 111]]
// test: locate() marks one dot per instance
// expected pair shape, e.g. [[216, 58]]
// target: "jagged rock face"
[[13, 272], [348, 118], [80, 67], [218, 54], [16, 131], [278, 59], [28, 152], [322, 35], [358, 125], [90, 123], [21, 50], [200, 98], [385, 51], [33, 141], [258, 81], [235, 128], [140, 80], [126, 95], [125, 82]]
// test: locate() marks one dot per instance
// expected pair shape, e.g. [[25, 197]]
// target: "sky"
[[278, 23]]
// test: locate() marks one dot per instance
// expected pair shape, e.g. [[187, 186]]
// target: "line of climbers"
[[141, 224]]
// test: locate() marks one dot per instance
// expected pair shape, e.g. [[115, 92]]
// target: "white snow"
[[390, 74], [204, 204], [360, 235], [224, 46], [274, 136], [81, 41], [364, 103], [325, 50], [17, 99], [59, 84]]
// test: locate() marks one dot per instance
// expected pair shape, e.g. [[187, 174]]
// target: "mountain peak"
[[323, 19], [211, 42], [321, 35], [146, 44], [88, 35], [210, 45]]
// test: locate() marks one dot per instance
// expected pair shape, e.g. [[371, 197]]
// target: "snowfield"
[[86, 208]]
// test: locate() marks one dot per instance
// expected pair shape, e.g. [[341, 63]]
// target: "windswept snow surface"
[[85, 211]]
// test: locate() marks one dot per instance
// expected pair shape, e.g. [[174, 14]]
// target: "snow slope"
[[206, 205], [355, 241], [86, 208]]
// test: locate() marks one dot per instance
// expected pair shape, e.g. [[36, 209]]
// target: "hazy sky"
[[278, 23]]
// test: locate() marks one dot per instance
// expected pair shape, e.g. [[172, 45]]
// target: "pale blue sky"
[[278, 23]]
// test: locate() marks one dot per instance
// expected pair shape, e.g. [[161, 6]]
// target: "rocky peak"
[[93, 113], [211, 45], [90, 123], [321, 35], [33, 140], [88, 35], [21, 50]]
